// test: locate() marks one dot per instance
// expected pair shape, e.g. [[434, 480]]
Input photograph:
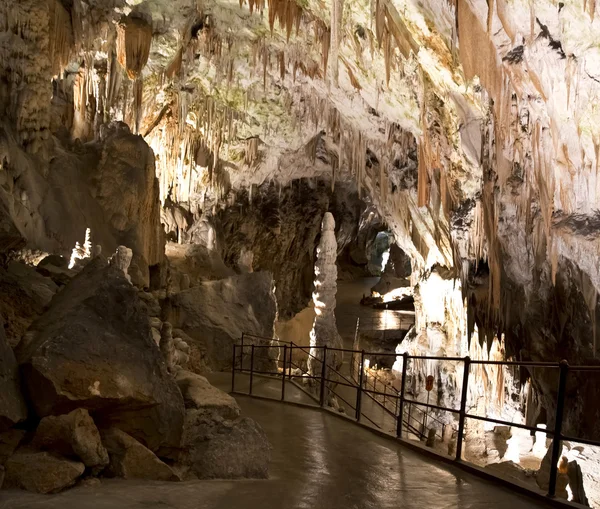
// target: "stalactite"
[[134, 37], [287, 12], [337, 8], [138, 90], [353, 81], [61, 36], [174, 67], [251, 152]]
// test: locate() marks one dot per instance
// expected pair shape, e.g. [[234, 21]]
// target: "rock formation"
[[324, 331], [72, 435], [41, 472], [110, 401], [129, 459], [217, 442], [215, 314], [131, 387], [12, 403], [122, 260]]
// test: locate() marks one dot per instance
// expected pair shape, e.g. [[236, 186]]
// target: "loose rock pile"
[[107, 393]]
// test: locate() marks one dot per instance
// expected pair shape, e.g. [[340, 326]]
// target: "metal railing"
[[326, 379]]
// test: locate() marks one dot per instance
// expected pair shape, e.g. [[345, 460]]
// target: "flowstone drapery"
[[324, 331]]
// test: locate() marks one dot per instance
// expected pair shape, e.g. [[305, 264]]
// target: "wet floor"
[[348, 308], [319, 461]]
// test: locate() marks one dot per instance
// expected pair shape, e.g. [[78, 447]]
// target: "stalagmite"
[[122, 259], [324, 331], [82, 252]]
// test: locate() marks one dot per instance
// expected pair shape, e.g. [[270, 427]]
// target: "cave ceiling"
[[472, 126]]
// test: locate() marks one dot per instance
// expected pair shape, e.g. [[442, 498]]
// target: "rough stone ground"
[[319, 461]]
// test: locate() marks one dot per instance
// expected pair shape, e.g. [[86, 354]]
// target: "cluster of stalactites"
[[24, 59], [192, 143], [62, 41]]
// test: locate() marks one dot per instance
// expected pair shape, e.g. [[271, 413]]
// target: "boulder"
[[60, 275], [196, 262], [223, 449], [73, 434], [543, 474], [24, 296], [152, 304], [214, 314], [12, 404], [131, 460], [10, 235], [41, 472], [576, 484], [198, 360], [199, 394], [9, 441], [216, 442], [512, 472], [93, 349]]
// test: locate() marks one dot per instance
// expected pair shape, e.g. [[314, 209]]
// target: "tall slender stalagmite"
[[324, 331]]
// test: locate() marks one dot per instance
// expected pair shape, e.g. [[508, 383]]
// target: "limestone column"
[[324, 331]]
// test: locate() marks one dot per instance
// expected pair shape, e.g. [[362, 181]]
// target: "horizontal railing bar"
[[518, 363], [586, 441], [330, 349], [429, 405], [507, 423], [584, 368], [249, 347], [256, 336], [433, 358]]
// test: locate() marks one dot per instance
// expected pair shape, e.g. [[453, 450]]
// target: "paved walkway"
[[319, 461]]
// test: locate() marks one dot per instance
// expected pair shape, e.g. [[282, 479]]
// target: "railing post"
[[557, 441], [323, 376], [251, 369], [402, 388], [292, 345], [283, 373], [242, 355], [233, 370], [463, 408], [360, 383]]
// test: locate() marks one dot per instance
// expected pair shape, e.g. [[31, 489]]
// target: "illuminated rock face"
[[324, 331]]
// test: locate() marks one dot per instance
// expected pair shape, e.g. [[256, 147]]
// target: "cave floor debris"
[[319, 461]]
